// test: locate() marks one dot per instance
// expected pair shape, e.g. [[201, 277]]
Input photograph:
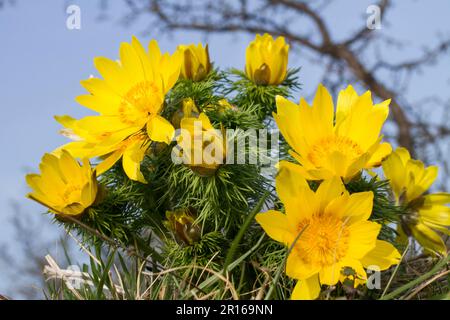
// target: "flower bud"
[[196, 64], [181, 223], [267, 60]]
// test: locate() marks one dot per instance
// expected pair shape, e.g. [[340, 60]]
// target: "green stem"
[[420, 279], [237, 240], [231, 266], [395, 272]]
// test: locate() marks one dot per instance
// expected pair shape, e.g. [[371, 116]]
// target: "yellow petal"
[[360, 276], [403, 154], [154, 56], [337, 162], [436, 214], [41, 199], [106, 105], [131, 63], [69, 167], [88, 195], [421, 178], [394, 170], [354, 168], [437, 198], [51, 174], [131, 161], [276, 225], [112, 73], [346, 99], [352, 208], [143, 58], [328, 191], [297, 268], [76, 149], [160, 130], [429, 239], [308, 171], [383, 256], [382, 151], [288, 119], [99, 87], [73, 209], [294, 191], [323, 111], [330, 275], [362, 238], [109, 161], [308, 289], [101, 124], [437, 227], [32, 181], [374, 120]]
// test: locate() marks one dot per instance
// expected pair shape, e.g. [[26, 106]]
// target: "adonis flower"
[[64, 186], [196, 64], [328, 143], [267, 60], [203, 147], [188, 110], [328, 231], [129, 100], [181, 223], [409, 180]]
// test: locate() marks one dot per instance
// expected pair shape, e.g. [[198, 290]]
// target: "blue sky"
[[42, 63]]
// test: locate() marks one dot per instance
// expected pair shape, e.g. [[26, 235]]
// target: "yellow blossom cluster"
[[325, 227]]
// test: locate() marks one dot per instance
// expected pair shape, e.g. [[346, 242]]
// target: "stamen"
[[326, 146], [142, 100], [324, 241]]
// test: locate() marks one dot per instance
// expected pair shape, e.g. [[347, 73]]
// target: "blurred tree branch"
[[4, 3], [345, 59]]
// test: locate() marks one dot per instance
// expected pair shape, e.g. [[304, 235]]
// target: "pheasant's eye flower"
[[409, 180], [328, 144], [328, 231], [267, 60], [129, 100], [221, 107], [203, 148], [64, 186], [224, 105], [196, 64], [188, 110], [182, 224]]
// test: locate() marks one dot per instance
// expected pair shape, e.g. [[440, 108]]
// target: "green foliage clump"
[[228, 256]]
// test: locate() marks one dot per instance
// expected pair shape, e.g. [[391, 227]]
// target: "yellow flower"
[[409, 180], [181, 222], [129, 100], [203, 147], [221, 107], [328, 145], [196, 64], [188, 110], [64, 186], [267, 60], [328, 231]]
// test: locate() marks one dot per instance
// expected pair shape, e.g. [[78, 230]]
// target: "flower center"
[[324, 240], [320, 151], [143, 99]]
